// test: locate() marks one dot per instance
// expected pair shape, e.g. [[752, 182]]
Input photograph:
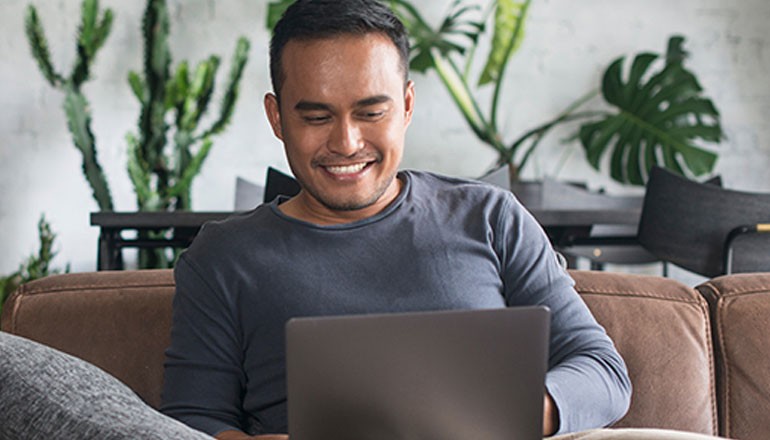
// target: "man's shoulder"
[[430, 184], [238, 231]]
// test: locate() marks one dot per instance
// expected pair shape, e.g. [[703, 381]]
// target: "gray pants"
[[46, 394]]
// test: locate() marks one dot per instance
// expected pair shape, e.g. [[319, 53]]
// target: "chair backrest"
[[279, 184], [686, 223]]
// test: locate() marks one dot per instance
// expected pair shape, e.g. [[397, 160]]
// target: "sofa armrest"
[[661, 328], [118, 321]]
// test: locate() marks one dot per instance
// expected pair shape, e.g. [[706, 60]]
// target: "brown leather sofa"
[[699, 358]]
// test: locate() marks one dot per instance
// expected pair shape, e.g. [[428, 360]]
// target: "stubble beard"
[[353, 205]]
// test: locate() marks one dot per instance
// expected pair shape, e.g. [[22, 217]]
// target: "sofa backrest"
[[740, 308], [661, 328], [120, 321]]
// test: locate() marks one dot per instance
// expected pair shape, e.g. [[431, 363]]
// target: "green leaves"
[[658, 118], [509, 27], [454, 34], [35, 266]]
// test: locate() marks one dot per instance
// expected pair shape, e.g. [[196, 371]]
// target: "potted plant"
[[170, 144]]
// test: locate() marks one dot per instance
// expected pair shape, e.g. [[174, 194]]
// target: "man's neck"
[[306, 208]]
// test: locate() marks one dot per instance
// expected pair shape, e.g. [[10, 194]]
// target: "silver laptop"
[[448, 375]]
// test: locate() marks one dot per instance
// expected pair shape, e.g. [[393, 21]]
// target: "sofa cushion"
[[661, 328], [740, 307], [118, 321]]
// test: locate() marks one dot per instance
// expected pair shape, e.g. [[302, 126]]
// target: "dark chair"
[[278, 183], [704, 228], [603, 244]]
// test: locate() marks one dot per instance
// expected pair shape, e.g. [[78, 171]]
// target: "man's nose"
[[346, 138]]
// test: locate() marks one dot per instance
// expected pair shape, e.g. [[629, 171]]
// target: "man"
[[362, 237]]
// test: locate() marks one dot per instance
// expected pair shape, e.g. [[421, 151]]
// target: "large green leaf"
[[509, 26], [658, 119]]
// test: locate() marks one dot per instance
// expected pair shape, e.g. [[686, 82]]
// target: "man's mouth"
[[340, 170]]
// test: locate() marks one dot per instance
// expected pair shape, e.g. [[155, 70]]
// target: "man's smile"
[[341, 170]]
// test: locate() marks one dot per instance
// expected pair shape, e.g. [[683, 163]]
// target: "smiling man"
[[344, 107], [362, 237]]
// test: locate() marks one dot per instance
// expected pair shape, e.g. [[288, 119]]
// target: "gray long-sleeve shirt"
[[444, 243]]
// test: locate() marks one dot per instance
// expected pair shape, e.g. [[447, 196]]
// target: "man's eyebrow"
[[308, 105], [315, 106], [373, 100]]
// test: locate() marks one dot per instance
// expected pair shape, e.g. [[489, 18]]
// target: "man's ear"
[[273, 111], [408, 103]]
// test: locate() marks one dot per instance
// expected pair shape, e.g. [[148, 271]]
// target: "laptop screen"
[[474, 374]]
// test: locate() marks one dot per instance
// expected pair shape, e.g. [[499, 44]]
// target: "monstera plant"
[[657, 118], [654, 117]]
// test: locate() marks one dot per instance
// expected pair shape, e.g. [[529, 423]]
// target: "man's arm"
[[204, 378], [587, 382]]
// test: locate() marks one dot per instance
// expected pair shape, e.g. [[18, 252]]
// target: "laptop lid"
[[473, 374]]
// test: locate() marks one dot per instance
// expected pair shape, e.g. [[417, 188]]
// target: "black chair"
[[279, 184], [603, 244], [704, 228]]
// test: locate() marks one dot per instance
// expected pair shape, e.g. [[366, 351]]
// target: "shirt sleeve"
[[204, 380], [586, 376]]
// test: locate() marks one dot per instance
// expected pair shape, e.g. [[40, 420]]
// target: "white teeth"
[[347, 169]]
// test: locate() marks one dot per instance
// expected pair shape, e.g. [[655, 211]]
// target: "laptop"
[[447, 375]]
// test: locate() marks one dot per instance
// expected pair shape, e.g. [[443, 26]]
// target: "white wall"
[[568, 44]]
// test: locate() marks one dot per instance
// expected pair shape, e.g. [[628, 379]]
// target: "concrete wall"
[[568, 44]]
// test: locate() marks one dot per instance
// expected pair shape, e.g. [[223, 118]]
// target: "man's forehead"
[[349, 70], [323, 48]]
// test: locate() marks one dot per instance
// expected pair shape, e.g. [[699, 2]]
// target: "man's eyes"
[[316, 119], [369, 115], [373, 114]]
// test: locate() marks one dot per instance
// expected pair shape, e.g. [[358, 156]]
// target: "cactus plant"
[[172, 106], [93, 31], [162, 176]]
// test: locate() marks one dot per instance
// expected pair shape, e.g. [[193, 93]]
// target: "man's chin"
[[347, 205], [351, 198]]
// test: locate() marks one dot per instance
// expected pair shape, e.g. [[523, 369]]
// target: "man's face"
[[343, 116]]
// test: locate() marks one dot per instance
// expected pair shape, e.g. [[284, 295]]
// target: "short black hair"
[[318, 19]]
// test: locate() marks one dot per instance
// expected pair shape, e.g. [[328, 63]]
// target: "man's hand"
[[238, 435], [550, 416]]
